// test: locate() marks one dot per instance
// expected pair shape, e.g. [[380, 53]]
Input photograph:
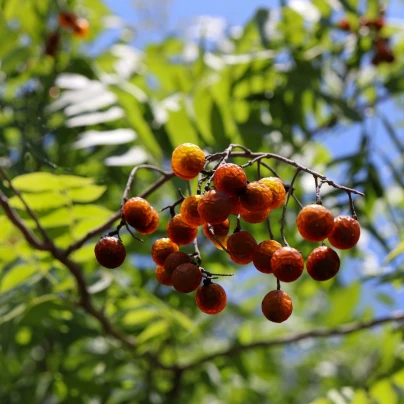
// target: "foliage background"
[[72, 127]]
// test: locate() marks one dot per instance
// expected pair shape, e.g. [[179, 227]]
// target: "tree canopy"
[[315, 82]]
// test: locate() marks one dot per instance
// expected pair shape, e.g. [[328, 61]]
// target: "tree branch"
[[345, 329], [75, 269]]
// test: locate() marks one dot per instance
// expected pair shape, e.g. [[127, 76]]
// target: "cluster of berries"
[[67, 20], [382, 49], [250, 201]]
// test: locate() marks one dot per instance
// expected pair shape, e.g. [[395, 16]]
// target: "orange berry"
[[323, 263], [241, 246], [277, 306], [81, 27], [187, 161], [345, 233], [256, 196], [137, 212], [211, 298], [110, 252], [236, 207], [263, 254], [184, 177], [315, 222], [186, 278], [214, 207], [180, 232], [174, 260], [162, 277], [230, 178], [287, 264], [189, 211], [255, 217], [152, 226], [161, 249], [67, 19], [278, 191], [221, 230]]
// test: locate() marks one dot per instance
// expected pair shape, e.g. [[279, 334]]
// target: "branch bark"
[[345, 329]]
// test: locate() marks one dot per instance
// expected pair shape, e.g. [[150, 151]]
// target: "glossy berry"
[[256, 197], [241, 246], [323, 263], [162, 277], [263, 254], [277, 306], [220, 230], [255, 217], [315, 222], [230, 178], [180, 232], [137, 212], [287, 264], [189, 211], [186, 278], [174, 260], [110, 252], [211, 298], [345, 233], [161, 249], [187, 161], [67, 19], [278, 191], [81, 28], [214, 207], [236, 207], [152, 226]]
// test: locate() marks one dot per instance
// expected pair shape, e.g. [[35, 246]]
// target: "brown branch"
[[345, 329], [16, 220], [27, 208], [75, 269]]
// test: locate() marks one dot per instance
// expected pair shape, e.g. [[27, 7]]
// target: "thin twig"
[[132, 177], [212, 232], [286, 205], [27, 208], [351, 204], [259, 156]]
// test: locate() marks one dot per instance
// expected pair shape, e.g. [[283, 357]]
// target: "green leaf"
[[141, 316], [88, 194], [40, 201], [85, 211], [343, 304], [42, 181], [180, 129], [384, 392], [154, 330], [395, 252], [16, 276]]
